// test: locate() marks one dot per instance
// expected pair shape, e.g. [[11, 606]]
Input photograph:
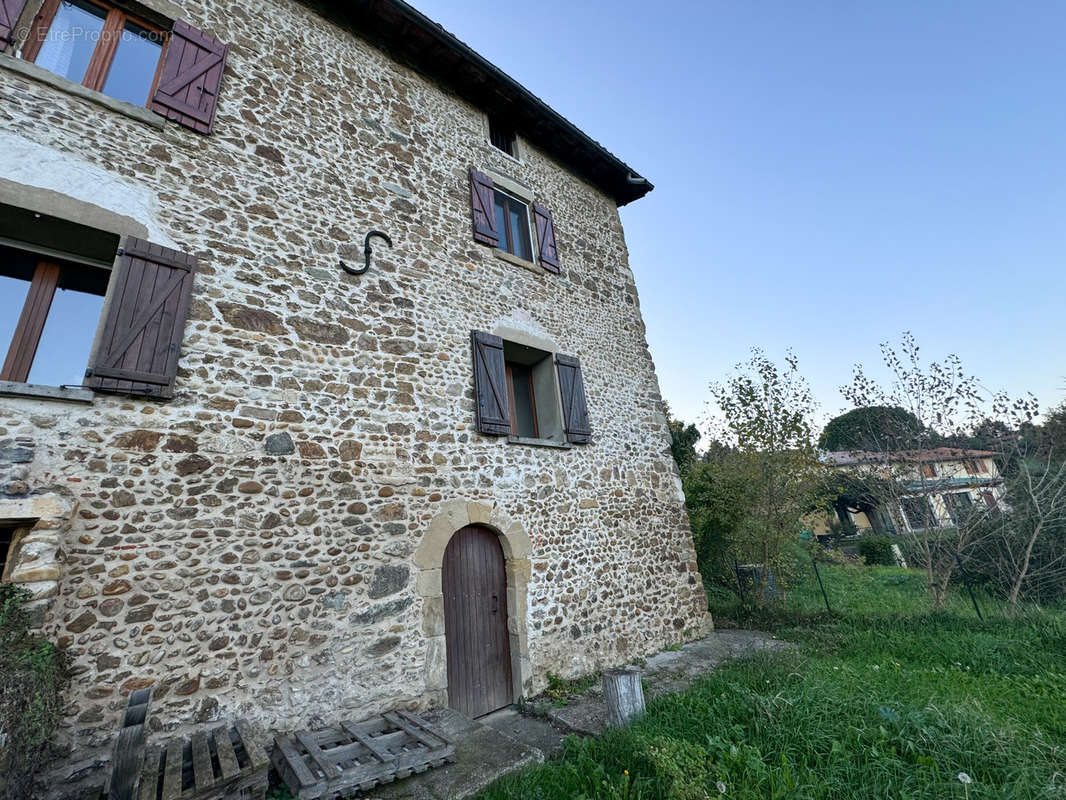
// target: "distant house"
[[940, 486]]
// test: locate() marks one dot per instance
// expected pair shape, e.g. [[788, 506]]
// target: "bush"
[[33, 675], [877, 550]]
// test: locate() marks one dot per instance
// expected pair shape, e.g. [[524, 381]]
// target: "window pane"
[[13, 291], [70, 42], [523, 401], [63, 352], [133, 67], [501, 221], [520, 230]]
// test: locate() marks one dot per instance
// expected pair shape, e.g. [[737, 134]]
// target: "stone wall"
[[248, 547]]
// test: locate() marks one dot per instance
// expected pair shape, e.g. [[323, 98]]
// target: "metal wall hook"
[[366, 252]]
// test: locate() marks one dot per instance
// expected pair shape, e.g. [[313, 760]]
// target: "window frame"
[[104, 53], [509, 365], [506, 232], [932, 521], [36, 309]]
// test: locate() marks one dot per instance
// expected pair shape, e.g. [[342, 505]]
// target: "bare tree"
[[947, 402], [1025, 555]]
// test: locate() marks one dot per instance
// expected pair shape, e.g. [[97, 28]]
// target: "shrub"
[[877, 550], [33, 675]]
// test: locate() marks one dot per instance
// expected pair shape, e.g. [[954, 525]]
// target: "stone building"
[[238, 471]]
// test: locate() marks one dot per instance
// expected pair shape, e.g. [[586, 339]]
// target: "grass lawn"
[[881, 700]]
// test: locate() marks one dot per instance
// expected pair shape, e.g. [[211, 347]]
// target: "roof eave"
[[417, 41]]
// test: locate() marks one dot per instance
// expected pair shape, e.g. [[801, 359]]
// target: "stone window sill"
[[41, 75], [15, 389], [539, 442], [520, 262]]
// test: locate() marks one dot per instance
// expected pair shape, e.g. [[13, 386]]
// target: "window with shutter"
[[546, 252], [490, 384], [137, 352], [575, 409], [10, 11], [191, 75], [482, 206]]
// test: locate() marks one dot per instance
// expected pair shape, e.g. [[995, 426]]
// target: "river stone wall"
[[246, 548]]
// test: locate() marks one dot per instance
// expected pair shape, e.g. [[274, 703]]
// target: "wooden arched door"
[[475, 622]]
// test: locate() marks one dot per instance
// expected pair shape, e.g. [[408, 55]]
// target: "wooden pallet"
[[222, 763], [337, 762]]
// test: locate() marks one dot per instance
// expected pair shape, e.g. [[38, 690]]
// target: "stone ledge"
[[16, 389], [41, 75], [503, 255], [539, 442]]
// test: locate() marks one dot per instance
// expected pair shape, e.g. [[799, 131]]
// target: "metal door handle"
[[495, 604]]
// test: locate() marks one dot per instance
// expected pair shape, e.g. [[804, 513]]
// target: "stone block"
[[428, 582], [436, 663], [433, 616]]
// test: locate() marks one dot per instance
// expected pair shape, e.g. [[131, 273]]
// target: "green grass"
[[882, 699]]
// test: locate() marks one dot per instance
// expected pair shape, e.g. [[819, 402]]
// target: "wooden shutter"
[[10, 11], [137, 352], [483, 207], [549, 257], [490, 384], [572, 389], [192, 72]]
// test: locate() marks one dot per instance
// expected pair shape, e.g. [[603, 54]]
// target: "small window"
[[49, 310], [990, 500], [928, 470], [9, 543], [512, 225], [98, 46], [502, 137]]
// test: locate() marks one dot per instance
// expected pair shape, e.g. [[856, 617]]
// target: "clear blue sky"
[[828, 174]]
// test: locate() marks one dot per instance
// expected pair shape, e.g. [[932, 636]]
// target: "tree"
[[946, 402], [875, 428], [1052, 435], [683, 440], [719, 496], [766, 414]]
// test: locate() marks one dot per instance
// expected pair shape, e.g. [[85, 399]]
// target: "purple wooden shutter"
[[490, 384], [149, 299], [572, 390], [483, 206], [192, 72], [549, 257], [10, 11]]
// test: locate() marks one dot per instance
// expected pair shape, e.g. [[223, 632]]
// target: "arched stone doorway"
[[514, 543]]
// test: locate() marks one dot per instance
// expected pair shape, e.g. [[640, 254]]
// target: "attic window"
[[502, 137], [10, 541]]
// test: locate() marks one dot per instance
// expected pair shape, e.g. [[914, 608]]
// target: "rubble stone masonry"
[[249, 547]]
